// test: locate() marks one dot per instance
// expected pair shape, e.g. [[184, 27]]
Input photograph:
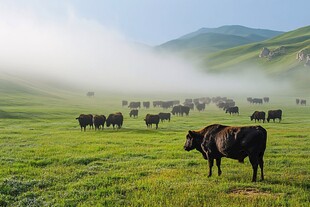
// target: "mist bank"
[[89, 56]]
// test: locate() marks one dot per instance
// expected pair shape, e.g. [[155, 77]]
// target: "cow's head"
[[193, 140]]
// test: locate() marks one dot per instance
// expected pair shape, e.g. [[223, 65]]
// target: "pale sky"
[[156, 21]]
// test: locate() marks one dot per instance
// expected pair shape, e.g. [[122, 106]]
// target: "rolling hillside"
[[210, 40]]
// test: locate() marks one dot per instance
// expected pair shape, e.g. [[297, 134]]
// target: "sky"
[[154, 22], [93, 44]]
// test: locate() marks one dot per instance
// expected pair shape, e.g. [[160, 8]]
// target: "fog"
[[90, 56]]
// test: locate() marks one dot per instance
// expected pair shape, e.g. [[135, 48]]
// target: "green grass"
[[47, 161]]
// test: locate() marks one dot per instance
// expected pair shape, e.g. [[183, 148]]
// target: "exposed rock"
[[277, 52], [264, 53], [307, 60], [302, 55]]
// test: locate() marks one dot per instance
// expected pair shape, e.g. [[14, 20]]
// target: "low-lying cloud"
[[87, 54]]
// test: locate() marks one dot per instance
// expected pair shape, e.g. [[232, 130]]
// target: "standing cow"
[[258, 115], [151, 119], [99, 120], [274, 114], [115, 119], [232, 110], [84, 120], [164, 116], [134, 113], [217, 141]]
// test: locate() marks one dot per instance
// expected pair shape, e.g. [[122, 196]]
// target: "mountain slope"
[[237, 30], [210, 40]]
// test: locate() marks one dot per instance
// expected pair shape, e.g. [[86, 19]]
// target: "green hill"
[[282, 65], [238, 30]]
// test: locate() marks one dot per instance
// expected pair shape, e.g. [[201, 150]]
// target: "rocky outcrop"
[[270, 54], [304, 56]]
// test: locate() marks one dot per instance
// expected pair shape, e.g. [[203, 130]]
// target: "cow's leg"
[[218, 164], [84, 128], [211, 161], [156, 126], [254, 162], [261, 165]]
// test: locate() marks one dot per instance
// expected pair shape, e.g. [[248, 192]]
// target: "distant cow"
[[134, 105], [124, 103], [274, 114], [266, 99], [164, 116], [84, 120], [200, 106], [257, 101], [258, 115], [233, 110], [217, 141], [146, 104], [151, 119], [90, 94], [115, 119], [99, 120], [303, 102], [180, 110], [297, 101], [134, 113]]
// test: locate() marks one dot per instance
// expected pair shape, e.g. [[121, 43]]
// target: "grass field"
[[47, 161]]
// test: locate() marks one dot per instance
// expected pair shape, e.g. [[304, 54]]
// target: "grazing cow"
[[266, 99], [157, 104], [274, 114], [201, 106], [134, 105], [297, 101], [151, 119], [115, 119], [180, 110], [232, 110], [258, 115], [164, 116], [134, 113], [124, 103], [84, 120], [90, 94], [146, 104], [303, 102], [257, 101], [217, 141], [99, 120]]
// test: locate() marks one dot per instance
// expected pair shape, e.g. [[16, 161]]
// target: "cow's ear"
[[191, 133]]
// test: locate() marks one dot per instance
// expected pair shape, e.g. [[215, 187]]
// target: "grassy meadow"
[[47, 161]]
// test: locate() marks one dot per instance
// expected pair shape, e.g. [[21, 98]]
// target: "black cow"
[[257, 101], [180, 110], [164, 116], [303, 102], [232, 110], [134, 113], [146, 104], [297, 101], [201, 106], [99, 120], [151, 119], [124, 103], [115, 119], [258, 115], [266, 99], [134, 105], [217, 141], [84, 120], [274, 114]]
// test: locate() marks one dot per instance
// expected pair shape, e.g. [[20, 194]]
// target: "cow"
[[146, 104], [124, 103], [257, 101], [266, 99], [84, 120], [151, 119], [258, 115], [297, 101], [90, 94], [115, 119], [134, 105], [217, 141], [180, 110], [164, 116], [274, 114], [134, 113], [232, 110], [303, 102], [99, 120], [201, 106]]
